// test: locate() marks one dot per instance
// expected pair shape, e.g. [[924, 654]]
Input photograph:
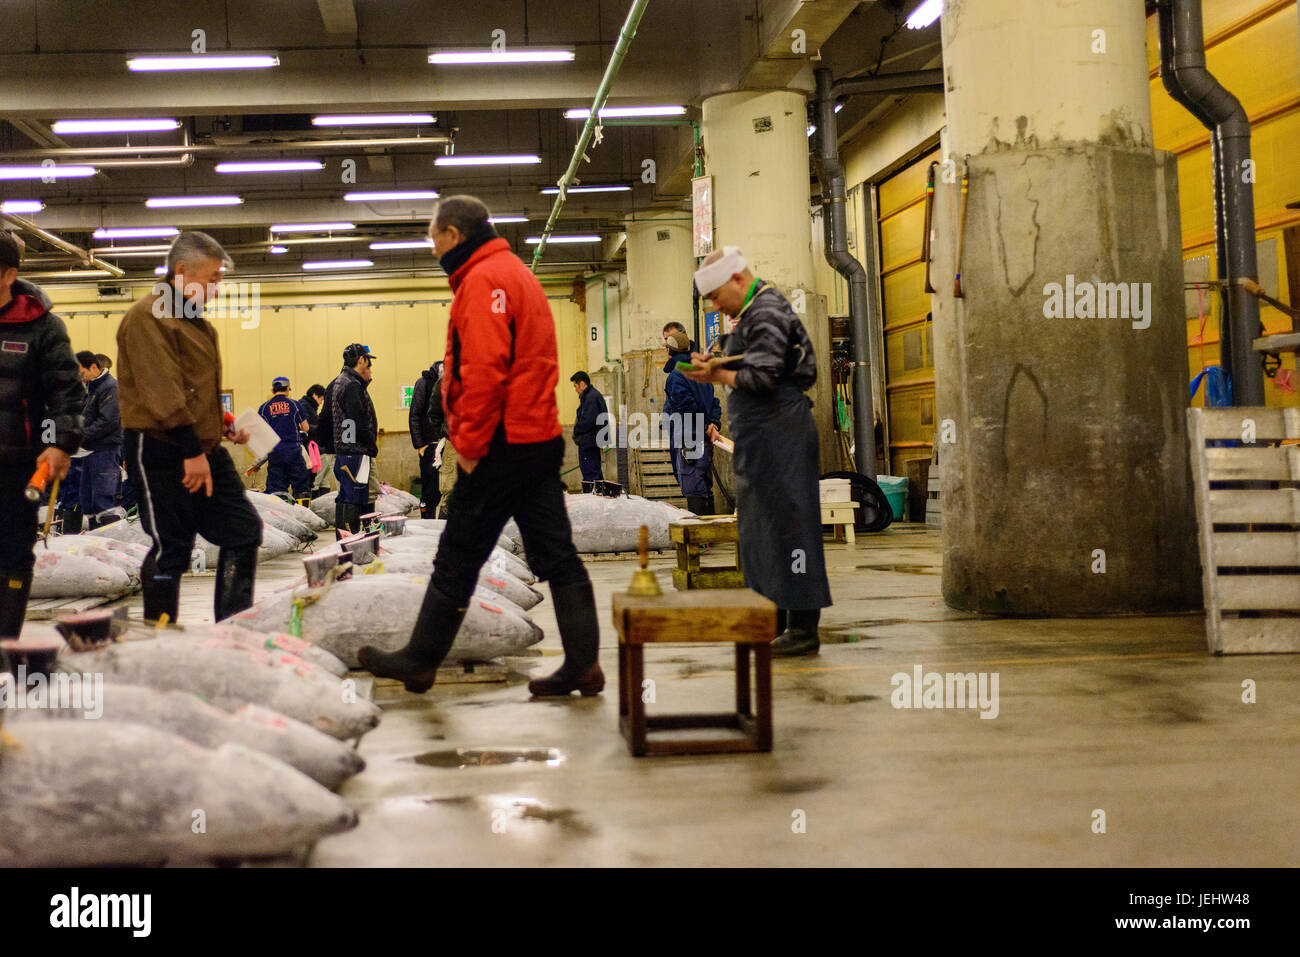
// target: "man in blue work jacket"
[[285, 466]]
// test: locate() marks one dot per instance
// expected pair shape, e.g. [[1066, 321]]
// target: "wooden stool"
[[690, 536], [733, 616], [839, 515]]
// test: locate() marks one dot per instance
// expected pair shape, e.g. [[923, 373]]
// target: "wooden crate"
[[48, 609], [1248, 513], [690, 536]]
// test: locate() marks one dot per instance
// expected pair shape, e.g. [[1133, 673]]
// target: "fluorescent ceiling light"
[[494, 220], [160, 270], [554, 190], [339, 264], [517, 159], [206, 61], [412, 244], [134, 232], [21, 206], [71, 274], [925, 14], [177, 202], [277, 250], [73, 127], [311, 227], [108, 252], [536, 240], [272, 166], [505, 56], [615, 112], [393, 195], [45, 172], [374, 119]]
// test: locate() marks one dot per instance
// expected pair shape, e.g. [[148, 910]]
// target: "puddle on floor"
[[489, 757], [904, 569], [793, 785]]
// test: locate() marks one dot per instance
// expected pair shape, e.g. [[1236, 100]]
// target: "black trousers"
[[589, 463], [287, 470], [18, 518], [429, 494], [519, 481], [173, 516]]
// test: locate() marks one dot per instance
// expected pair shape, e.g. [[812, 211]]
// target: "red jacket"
[[501, 357]]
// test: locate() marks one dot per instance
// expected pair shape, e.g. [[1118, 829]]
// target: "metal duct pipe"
[[27, 226], [913, 81], [625, 36], [1182, 68]]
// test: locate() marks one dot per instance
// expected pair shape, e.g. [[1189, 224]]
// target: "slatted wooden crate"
[[1248, 512], [934, 485]]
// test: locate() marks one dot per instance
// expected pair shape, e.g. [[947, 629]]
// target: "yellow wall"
[[307, 345]]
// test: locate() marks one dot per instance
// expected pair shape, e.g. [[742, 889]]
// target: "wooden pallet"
[[1248, 513], [693, 537], [47, 609], [622, 556]]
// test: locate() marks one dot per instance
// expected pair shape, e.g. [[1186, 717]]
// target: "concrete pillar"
[[660, 273], [756, 148], [1066, 489]]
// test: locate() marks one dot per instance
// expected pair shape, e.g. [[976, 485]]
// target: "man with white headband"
[[776, 458]]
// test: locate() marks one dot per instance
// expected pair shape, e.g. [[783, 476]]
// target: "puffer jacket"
[[347, 399], [41, 395], [102, 418]]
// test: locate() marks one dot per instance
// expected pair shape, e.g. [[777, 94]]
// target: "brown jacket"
[[169, 374]]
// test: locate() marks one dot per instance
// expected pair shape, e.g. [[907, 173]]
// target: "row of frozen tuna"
[[215, 743], [107, 561]]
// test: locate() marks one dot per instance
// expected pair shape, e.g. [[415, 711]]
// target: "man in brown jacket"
[[169, 385]]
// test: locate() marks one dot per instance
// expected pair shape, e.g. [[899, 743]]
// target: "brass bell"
[[644, 584]]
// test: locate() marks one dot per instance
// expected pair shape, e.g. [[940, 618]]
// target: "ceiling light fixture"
[[375, 119], [205, 61], [180, 202], [445, 57], [535, 240], [393, 195], [272, 166], [278, 250], [311, 227], [45, 172], [404, 244], [339, 264], [925, 14], [75, 127], [19, 206], [619, 112], [108, 252], [553, 190], [135, 232], [516, 159], [494, 220]]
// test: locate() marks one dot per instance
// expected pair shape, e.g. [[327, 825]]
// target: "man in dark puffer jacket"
[[41, 397]]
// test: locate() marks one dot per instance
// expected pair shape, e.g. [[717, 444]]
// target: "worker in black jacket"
[[41, 399], [428, 424], [592, 417], [101, 470], [348, 424]]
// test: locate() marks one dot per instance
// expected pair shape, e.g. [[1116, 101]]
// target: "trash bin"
[[895, 489]]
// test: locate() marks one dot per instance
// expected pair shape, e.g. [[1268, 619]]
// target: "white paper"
[[437, 454], [725, 444], [363, 471], [261, 437]]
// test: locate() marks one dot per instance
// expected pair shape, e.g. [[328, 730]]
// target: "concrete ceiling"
[[63, 60]]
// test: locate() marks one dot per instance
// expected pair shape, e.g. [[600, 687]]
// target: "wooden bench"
[[691, 536], [735, 616], [1248, 513], [840, 516]]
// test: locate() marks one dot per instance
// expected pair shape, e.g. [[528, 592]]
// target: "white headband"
[[714, 276]]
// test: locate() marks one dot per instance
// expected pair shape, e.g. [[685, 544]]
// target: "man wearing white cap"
[[776, 457]]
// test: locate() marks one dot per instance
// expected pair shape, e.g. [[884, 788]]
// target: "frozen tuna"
[[278, 641], [128, 562], [326, 760], [380, 610], [399, 501], [230, 677], [492, 577], [603, 524], [126, 530], [63, 574], [499, 560], [435, 526], [306, 516], [84, 794]]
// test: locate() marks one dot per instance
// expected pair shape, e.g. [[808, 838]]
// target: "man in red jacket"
[[498, 391]]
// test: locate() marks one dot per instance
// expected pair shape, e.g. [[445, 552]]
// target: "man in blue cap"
[[285, 466], [348, 428]]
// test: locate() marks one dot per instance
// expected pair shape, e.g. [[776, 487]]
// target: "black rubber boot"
[[800, 638], [72, 520], [698, 504], [347, 520], [575, 613], [416, 665], [162, 596], [236, 570], [587, 487], [14, 589]]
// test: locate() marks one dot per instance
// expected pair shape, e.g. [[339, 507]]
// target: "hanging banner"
[[702, 214]]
